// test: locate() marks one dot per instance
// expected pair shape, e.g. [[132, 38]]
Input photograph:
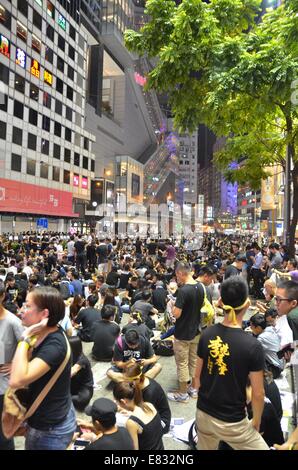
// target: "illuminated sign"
[[84, 182], [20, 58], [48, 77], [4, 46], [62, 21], [35, 68], [76, 180]]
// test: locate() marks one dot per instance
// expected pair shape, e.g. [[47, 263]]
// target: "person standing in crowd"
[[287, 304], [227, 356], [10, 333], [80, 254], [256, 272], [71, 250], [52, 425], [235, 269], [190, 297]]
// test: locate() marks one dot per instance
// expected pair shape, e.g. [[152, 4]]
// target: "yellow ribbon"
[[232, 314], [137, 376]]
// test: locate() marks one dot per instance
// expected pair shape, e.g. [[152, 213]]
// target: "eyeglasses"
[[279, 299]]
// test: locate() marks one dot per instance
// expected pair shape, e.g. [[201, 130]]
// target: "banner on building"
[[268, 190]]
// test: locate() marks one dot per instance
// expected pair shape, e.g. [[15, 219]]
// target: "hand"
[[5, 368], [90, 436], [35, 329], [256, 424], [284, 446]]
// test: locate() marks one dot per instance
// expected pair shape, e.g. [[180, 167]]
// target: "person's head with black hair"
[[132, 338], [292, 264], [271, 316], [92, 300], [146, 295], [258, 323], [103, 413], [206, 275], [2, 292], [234, 298], [108, 312], [183, 273], [76, 348], [286, 297]]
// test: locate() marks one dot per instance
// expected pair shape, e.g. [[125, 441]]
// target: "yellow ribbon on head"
[[137, 376], [232, 310]]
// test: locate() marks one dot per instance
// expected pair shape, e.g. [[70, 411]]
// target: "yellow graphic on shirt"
[[218, 351]]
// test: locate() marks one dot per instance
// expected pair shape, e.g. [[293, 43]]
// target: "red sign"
[[84, 182], [29, 198]]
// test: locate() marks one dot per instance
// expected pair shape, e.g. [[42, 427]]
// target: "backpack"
[[207, 310], [64, 289]]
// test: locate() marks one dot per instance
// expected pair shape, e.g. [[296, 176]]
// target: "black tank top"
[[151, 437]]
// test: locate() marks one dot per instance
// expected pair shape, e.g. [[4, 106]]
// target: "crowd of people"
[[58, 291]]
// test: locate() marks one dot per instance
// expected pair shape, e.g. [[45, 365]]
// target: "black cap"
[[102, 409]]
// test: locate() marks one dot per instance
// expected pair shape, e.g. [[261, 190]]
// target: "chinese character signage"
[[76, 180], [4, 46], [62, 21], [84, 182], [48, 77], [35, 68], [21, 57], [268, 190]]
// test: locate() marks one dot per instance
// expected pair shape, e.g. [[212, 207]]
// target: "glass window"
[[4, 102], [77, 159], [31, 167], [81, 61], [21, 31], [36, 44], [33, 116], [70, 72], [86, 143], [4, 74], [68, 134], [50, 9], [50, 32], [44, 170], [68, 113], [57, 129], [16, 162], [58, 107], [46, 123], [71, 52], [17, 135], [18, 110], [85, 163], [49, 54], [60, 64], [59, 85], [67, 155], [57, 151], [37, 19], [56, 173], [92, 165], [72, 32], [81, 41], [79, 100], [61, 43], [66, 177], [32, 141], [69, 93], [23, 7], [19, 83], [61, 21], [79, 80], [5, 17], [34, 92], [45, 146], [47, 99], [2, 130]]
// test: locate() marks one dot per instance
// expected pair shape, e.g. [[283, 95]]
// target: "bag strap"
[[50, 384]]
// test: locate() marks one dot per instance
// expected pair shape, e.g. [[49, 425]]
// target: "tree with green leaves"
[[224, 65]]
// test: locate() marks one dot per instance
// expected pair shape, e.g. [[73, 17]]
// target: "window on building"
[[49, 55], [44, 170], [5, 17], [19, 83], [67, 155], [68, 134], [4, 74], [57, 129], [50, 9], [33, 116], [92, 165], [77, 141], [60, 64], [72, 32], [47, 99], [79, 80], [23, 7], [22, 31], [71, 52], [16, 162], [77, 159], [57, 151], [70, 73], [85, 163], [4, 102], [59, 85], [80, 61], [18, 110], [79, 100], [45, 146], [31, 167], [46, 123], [36, 44], [86, 143], [58, 107], [34, 92], [69, 93], [68, 113], [61, 42], [32, 141], [17, 135], [50, 32], [56, 173], [37, 19], [3, 130], [66, 177], [47, 77]]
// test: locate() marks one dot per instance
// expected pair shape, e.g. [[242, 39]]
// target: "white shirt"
[[283, 330]]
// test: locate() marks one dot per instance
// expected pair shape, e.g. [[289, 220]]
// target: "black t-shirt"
[[138, 245], [87, 317], [119, 440], [143, 350], [54, 408], [152, 248], [190, 299], [102, 251], [155, 394], [80, 247], [104, 337], [84, 378], [229, 355], [231, 271], [124, 278], [159, 299], [142, 329], [112, 278]]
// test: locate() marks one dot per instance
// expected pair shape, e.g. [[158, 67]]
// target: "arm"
[[177, 312], [290, 442], [132, 428], [75, 369], [151, 360], [24, 372], [257, 397], [198, 372]]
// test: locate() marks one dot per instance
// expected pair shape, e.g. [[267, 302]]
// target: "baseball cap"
[[102, 409]]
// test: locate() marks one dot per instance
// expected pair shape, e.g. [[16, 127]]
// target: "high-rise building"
[[188, 166]]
